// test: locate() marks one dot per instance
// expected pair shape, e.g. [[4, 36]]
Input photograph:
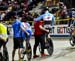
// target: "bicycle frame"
[[48, 42]]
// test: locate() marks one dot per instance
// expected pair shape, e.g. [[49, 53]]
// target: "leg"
[[5, 52], [35, 45], [15, 44], [42, 42], [13, 54], [19, 53], [27, 42], [20, 46], [1, 44]]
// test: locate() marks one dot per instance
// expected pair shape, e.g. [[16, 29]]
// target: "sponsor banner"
[[59, 30]]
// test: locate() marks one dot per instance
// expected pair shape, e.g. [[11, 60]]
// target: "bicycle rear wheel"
[[49, 45]]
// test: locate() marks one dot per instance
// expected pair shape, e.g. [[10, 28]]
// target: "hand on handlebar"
[[47, 31]]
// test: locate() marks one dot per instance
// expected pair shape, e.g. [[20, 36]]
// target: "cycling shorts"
[[2, 42], [18, 42]]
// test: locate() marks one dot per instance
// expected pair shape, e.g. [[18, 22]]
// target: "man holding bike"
[[40, 31]]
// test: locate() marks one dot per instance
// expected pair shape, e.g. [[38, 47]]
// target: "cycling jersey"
[[46, 17], [16, 28], [27, 27], [3, 32]]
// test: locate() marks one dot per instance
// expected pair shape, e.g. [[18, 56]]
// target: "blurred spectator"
[[2, 15], [3, 5], [71, 16], [17, 7], [48, 3], [62, 12], [27, 16]]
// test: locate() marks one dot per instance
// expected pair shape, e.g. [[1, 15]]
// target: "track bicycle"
[[48, 43]]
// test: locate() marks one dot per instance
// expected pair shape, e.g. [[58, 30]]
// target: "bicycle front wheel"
[[50, 47], [71, 41]]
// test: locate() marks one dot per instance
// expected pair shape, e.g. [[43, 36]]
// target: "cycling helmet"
[[46, 8]]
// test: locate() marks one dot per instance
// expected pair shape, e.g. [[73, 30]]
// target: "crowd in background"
[[18, 7], [22, 7]]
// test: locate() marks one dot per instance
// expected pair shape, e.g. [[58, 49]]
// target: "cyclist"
[[47, 18], [28, 28]]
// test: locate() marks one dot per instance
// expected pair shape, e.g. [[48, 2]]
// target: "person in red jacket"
[[39, 34]]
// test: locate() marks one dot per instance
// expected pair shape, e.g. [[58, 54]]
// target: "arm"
[[53, 20], [38, 18], [24, 29], [42, 28]]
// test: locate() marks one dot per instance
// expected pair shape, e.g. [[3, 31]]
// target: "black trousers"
[[2, 42], [39, 39]]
